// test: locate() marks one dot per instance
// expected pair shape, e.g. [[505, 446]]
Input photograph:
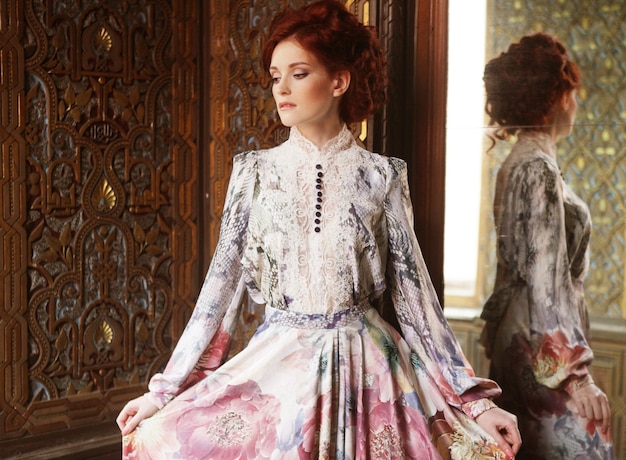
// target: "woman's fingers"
[[133, 413], [592, 404], [502, 426]]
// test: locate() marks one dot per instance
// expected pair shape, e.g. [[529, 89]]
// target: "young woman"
[[317, 229], [536, 318]]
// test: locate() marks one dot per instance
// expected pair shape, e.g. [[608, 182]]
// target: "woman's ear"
[[565, 101], [341, 82]]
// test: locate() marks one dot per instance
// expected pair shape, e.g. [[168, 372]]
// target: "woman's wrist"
[[159, 400], [575, 383], [474, 408]]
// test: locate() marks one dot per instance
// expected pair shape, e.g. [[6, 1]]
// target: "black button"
[[319, 194], [318, 206], [317, 229], [318, 214], [318, 166], [320, 174]]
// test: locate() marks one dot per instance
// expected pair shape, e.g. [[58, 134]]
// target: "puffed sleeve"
[[536, 217], [419, 313], [204, 343]]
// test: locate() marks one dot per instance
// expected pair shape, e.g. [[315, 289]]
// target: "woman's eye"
[[275, 80], [301, 75]]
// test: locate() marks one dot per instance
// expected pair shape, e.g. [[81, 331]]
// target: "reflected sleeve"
[[204, 343], [561, 353], [419, 313]]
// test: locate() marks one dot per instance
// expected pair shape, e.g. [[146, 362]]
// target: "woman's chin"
[[286, 123]]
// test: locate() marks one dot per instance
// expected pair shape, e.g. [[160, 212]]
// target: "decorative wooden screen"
[[98, 176]]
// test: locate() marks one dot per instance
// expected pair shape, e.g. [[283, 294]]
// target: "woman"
[[536, 319], [317, 228]]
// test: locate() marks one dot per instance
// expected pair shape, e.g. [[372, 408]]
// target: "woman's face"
[[306, 95]]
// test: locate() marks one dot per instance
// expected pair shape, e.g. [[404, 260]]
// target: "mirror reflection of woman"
[[536, 331]]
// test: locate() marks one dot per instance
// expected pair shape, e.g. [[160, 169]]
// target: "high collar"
[[541, 140], [341, 141]]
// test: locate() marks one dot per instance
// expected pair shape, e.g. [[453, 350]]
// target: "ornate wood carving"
[[13, 187], [99, 181]]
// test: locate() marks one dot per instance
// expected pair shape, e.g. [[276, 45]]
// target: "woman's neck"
[[320, 135]]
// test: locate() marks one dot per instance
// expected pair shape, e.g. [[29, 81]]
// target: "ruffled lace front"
[[314, 240]]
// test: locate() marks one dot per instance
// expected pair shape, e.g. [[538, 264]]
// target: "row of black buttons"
[[318, 205]]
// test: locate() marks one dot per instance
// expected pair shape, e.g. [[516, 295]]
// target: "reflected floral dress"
[[317, 235], [536, 318]]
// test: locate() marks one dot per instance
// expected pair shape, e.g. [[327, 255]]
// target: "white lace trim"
[[325, 229]]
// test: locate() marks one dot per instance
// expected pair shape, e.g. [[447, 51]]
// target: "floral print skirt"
[[550, 427], [343, 386]]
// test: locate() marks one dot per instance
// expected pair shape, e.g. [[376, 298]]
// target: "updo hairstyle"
[[340, 42], [525, 83]]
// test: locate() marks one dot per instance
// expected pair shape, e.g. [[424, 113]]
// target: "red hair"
[[525, 84], [340, 42]]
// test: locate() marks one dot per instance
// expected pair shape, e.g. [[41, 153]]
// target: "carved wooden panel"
[[98, 176]]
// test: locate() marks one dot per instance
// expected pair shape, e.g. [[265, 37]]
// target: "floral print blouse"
[[309, 230], [543, 232]]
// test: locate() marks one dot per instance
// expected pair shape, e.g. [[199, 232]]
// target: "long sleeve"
[[535, 215], [419, 313], [204, 343]]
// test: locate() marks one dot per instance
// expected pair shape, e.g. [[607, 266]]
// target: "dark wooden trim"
[[204, 139], [102, 441], [412, 124], [427, 133]]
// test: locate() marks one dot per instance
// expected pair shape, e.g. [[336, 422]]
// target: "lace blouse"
[[318, 231]]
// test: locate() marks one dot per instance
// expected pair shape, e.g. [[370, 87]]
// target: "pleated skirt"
[[343, 386]]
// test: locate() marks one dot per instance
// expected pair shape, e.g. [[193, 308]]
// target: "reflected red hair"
[[524, 84], [340, 42]]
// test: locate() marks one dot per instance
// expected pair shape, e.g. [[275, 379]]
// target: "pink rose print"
[[392, 429], [239, 423], [210, 359], [216, 351], [532, 398], [146, 440], [317, 415], [443, 386], [555, 355]]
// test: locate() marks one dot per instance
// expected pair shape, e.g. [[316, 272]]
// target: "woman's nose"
[[282, 87]]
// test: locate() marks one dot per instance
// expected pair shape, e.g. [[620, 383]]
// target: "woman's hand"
[[592, 404], [133, 413], [502, 426]]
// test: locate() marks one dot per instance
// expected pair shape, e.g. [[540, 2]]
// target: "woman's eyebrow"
[[294, 64]]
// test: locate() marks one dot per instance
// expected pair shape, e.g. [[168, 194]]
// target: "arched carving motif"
[[100, 143]]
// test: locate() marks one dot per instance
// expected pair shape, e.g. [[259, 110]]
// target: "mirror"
[[592, 158]]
